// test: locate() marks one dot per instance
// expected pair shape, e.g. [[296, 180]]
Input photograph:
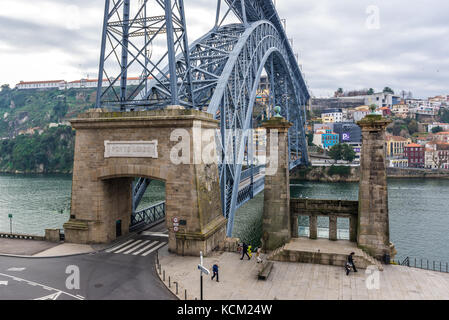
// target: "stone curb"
[[172, 289]]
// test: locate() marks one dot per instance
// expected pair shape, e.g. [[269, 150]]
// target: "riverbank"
[[352, 174]]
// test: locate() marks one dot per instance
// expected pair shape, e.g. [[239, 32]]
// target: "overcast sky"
[[352, 44]]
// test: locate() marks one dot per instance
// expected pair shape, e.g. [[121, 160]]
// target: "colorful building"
[[325, 138], [415, 153], [395, 146]]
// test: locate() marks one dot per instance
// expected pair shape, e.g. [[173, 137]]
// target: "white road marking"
[[41, 285], [128, 246], [145, 248], [3, 283], [136, 247], [16, 269], [155, 248], [155, 234], [53, 296], [118, 247]]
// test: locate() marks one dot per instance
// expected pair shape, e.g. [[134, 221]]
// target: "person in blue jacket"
[[215, 271]]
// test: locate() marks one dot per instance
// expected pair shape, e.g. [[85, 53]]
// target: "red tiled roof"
[[38, 82], [413, 145]]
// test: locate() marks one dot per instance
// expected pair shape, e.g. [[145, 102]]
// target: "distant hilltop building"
[[77, 84]]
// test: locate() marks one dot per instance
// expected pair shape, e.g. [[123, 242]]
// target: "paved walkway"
[[36, 248], [299, 281], [24, 247], [65, 249]]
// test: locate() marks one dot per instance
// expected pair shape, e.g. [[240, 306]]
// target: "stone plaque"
[[130, 149]]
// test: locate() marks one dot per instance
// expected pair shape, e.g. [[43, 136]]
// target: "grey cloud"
[[410, 50]]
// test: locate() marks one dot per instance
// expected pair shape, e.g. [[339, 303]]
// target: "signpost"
[[175, 224], [10, 222], [202, 270]]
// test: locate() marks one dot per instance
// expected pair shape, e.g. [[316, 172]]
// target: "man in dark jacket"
[[245, 251], [215, 271], [350, 263]]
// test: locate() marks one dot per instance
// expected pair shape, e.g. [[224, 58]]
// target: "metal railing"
[[147, 216], [425, 264], [247, 172]]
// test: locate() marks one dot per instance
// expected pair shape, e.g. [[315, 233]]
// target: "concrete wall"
[[321, 174]]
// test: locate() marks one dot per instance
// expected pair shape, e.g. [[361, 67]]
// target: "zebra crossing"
[[141, 247]]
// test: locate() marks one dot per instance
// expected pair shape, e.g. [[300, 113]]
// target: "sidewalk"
[[297, 281], [36, 248]]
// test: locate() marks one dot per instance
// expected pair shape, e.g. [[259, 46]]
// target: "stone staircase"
[[316, 255]]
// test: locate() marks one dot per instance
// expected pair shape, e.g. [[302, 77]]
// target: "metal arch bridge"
[[219, 73]]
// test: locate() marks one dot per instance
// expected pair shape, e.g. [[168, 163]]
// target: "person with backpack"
[[245, 251], [215, 271], [350, 263]]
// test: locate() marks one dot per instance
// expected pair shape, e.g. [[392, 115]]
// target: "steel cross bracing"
[[220, 75]]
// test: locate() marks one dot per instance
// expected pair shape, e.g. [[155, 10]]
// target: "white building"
[[77, 84], [332, 116], [51, 84], [444, 126]]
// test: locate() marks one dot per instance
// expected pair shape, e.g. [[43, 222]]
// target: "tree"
[[413, 127], [347, 153], [335, 152], [388, 90], [339, 92], [310, 139], [437, 129], [5, 87], [341, 152], [397, 129], [370, 91], [403, 94]]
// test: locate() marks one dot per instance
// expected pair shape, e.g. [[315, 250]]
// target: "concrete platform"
[[36, 248], [300, 281], [323, 251], [24, 247]]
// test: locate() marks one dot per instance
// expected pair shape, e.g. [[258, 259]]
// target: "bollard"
[[176, 287], [169, 283], [164, 275], [185, 294]]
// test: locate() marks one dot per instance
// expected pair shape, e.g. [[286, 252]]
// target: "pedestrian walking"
[[350, 263], [258, 258], [245, 251], [215, 271]]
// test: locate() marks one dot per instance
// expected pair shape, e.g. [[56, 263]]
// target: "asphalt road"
[[102, 276]]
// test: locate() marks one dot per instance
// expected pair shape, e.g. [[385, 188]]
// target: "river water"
[[419, 209]]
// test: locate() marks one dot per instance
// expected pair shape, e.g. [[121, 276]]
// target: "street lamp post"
[[10, 223], [202, 270]]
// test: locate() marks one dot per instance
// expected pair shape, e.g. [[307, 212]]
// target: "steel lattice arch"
[[219, 74]]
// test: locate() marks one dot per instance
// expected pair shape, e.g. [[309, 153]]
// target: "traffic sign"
[[175, 220], [175, 229], [203, 270], [10, 216]]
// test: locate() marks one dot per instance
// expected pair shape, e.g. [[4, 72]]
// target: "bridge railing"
[[147, 216], [247, 172], [332, 209], [425, 264]]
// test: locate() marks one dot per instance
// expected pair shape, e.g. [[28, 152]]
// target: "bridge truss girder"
[[220, 73]]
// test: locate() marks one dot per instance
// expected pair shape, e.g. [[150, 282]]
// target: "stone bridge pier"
[[113, 148]]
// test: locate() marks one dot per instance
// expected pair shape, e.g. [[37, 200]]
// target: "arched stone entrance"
[[112, 148]]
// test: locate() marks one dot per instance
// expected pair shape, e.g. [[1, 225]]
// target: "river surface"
[[419, 209]]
